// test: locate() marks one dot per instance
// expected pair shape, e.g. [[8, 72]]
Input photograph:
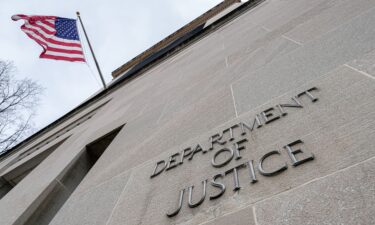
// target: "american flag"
[[58, 36]]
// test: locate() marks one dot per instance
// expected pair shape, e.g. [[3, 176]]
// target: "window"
[[73, 176]]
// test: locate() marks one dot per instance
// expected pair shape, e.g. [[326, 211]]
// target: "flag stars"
[[66, 28]]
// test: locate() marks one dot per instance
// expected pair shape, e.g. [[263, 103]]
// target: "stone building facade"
[[264, 113]]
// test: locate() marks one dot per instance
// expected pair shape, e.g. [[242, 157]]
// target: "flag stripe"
[[52, 39], [76, 56], [50, 23], [40, 42], [63, 58], [38, 39], [63, 54], [45, 27], [44, 30], [65, 50], [37, 29]]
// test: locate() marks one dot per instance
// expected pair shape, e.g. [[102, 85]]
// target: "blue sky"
[[118, 30]]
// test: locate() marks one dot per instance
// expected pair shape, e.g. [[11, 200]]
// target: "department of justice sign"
[[236, 136]]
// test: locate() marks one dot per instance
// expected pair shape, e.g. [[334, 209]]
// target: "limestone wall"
[[278, 105]]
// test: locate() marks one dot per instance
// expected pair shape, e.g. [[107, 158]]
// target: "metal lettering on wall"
[[235, 137]]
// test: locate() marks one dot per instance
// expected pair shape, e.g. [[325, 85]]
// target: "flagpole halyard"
[[92, 51]]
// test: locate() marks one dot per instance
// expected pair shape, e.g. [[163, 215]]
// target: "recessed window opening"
[[64, 130], [13, 177], [64, 187]]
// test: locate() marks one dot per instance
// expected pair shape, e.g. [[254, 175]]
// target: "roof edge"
[[175, 35]]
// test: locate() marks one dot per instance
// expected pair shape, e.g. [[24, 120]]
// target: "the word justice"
[[295, 153]]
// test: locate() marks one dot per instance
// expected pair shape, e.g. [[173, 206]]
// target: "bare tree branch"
[[18, 99]]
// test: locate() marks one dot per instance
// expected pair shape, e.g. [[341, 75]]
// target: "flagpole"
[[92, 51]]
